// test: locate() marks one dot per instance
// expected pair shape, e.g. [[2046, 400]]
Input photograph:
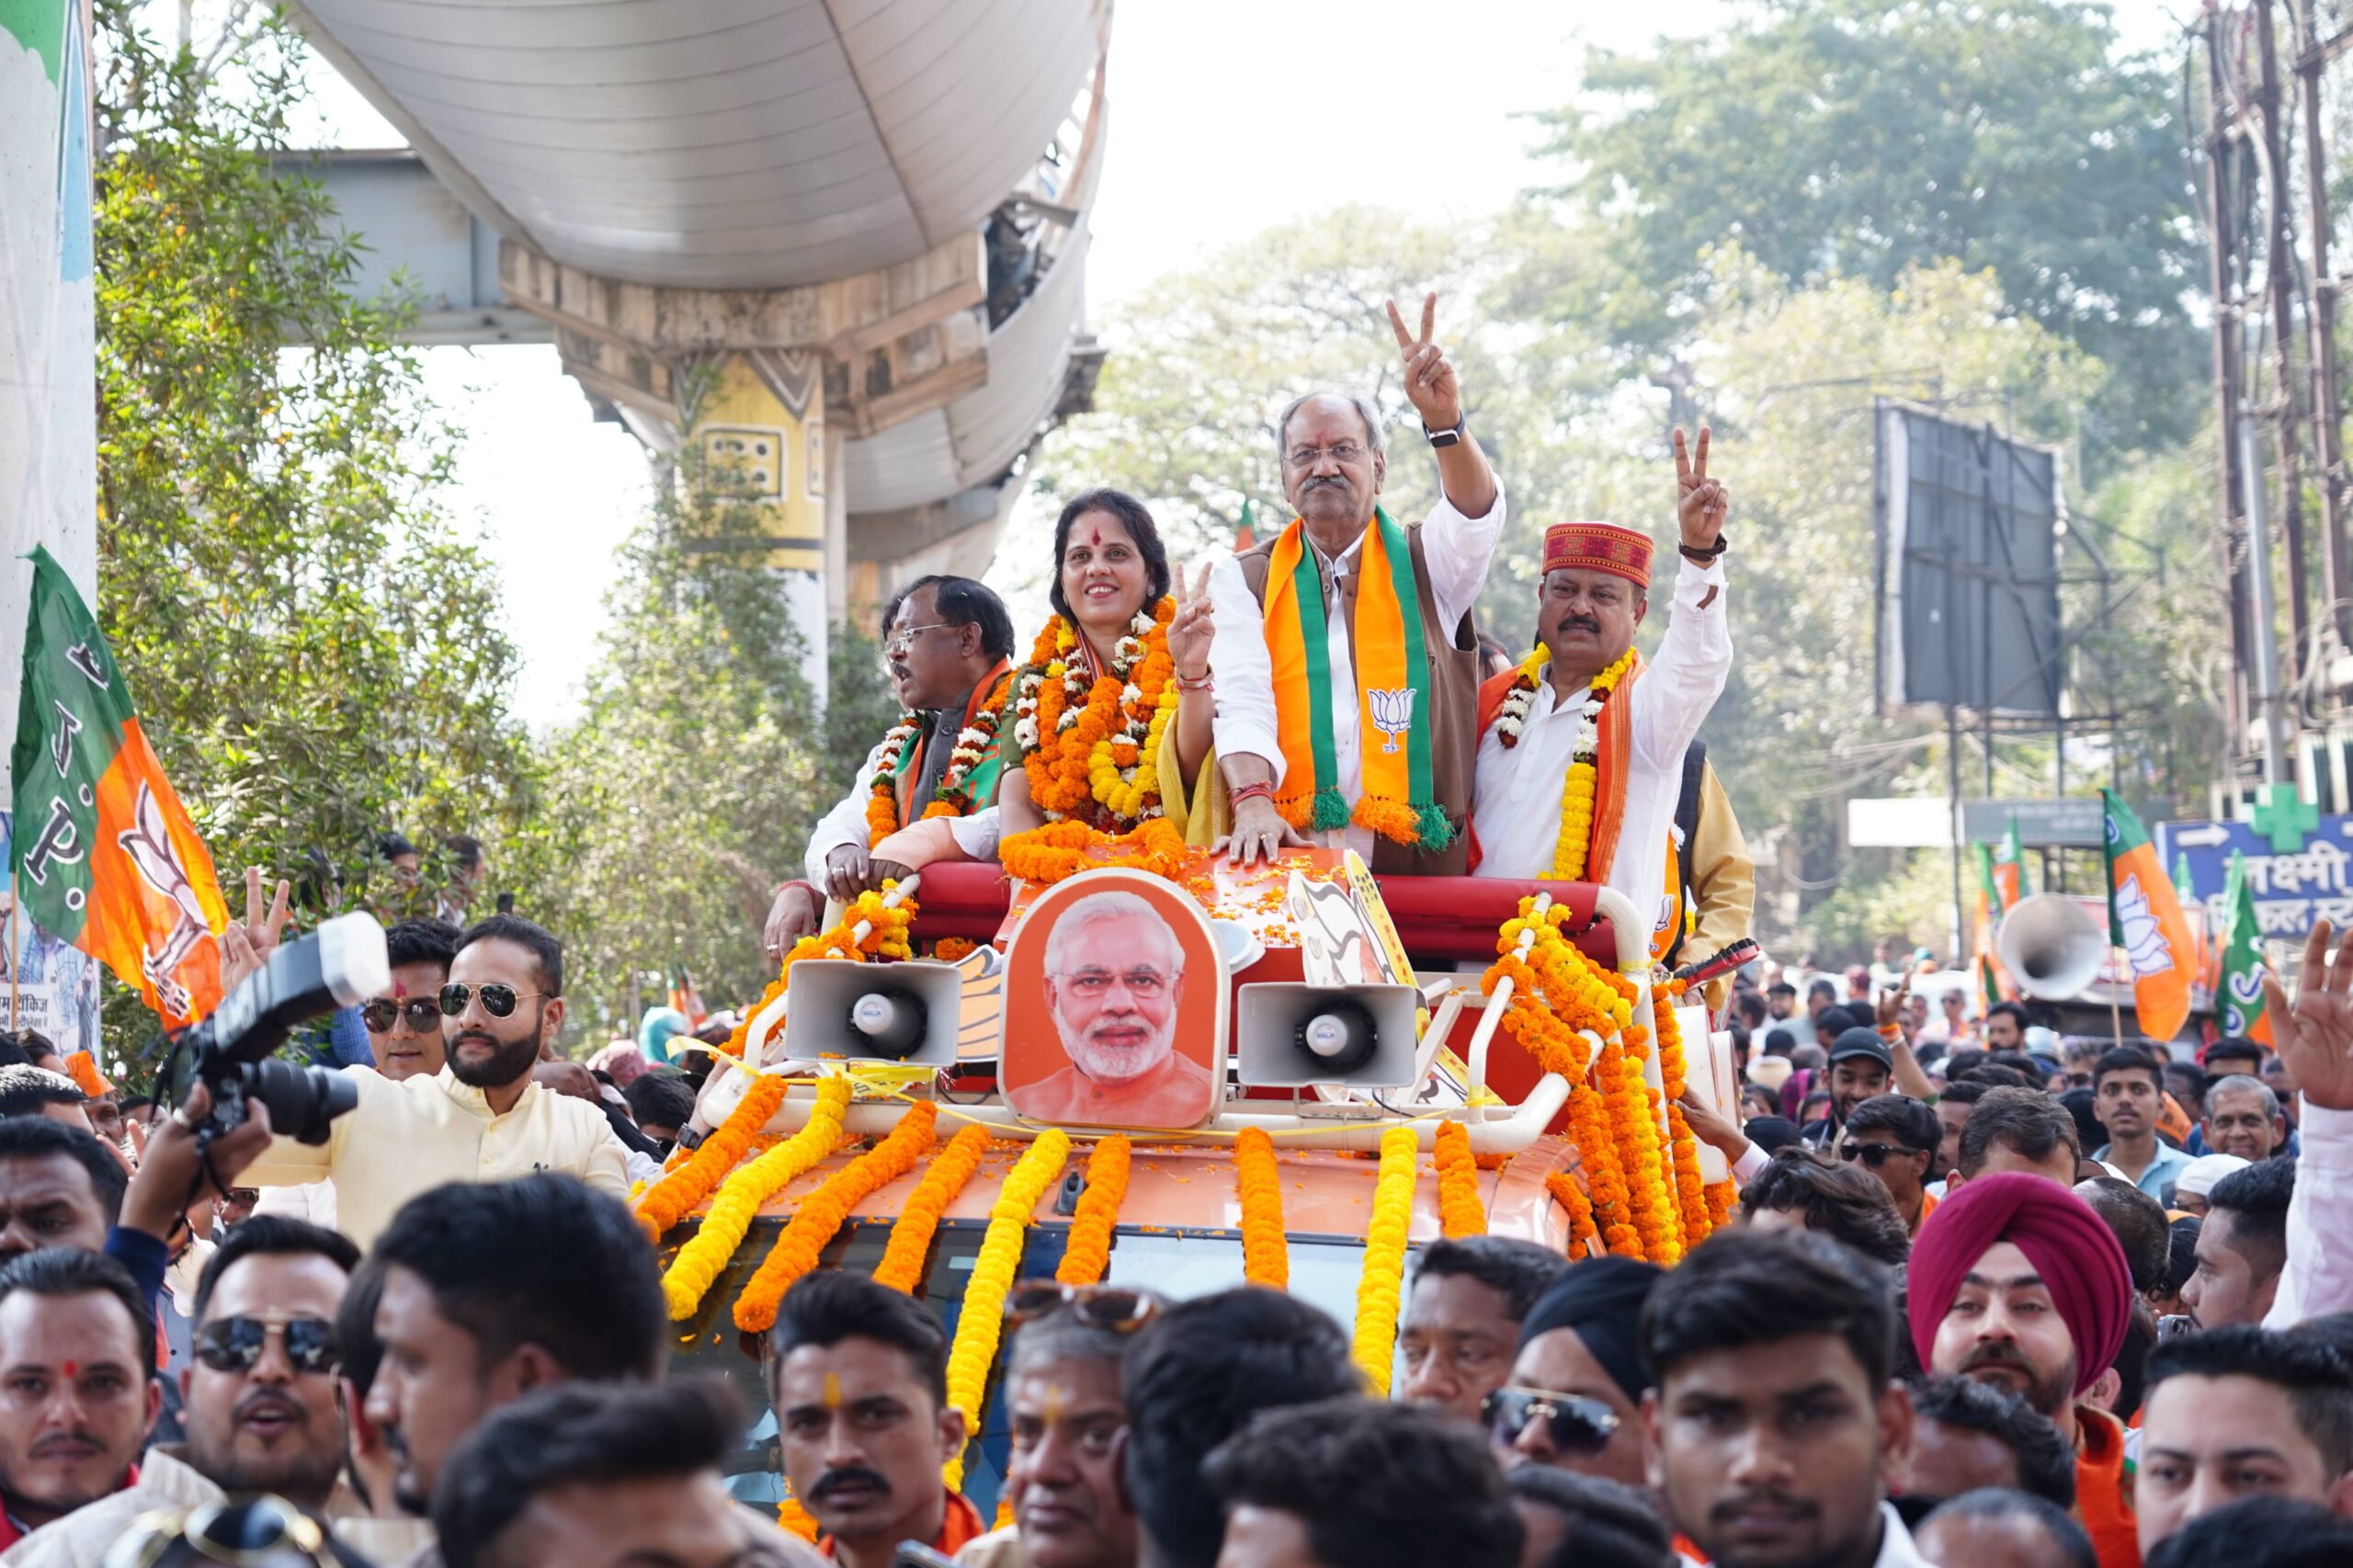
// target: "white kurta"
[[976, 835], [1517, 808], [1457, 551]]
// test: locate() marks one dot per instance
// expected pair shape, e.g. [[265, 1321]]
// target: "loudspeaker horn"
[[2051, 946], [1289, 1035], [864, 1012]]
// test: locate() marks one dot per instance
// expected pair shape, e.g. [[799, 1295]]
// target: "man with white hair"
[[2243, 1117], [1115, 981]]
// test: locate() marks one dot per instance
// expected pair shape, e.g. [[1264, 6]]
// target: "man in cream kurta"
[[1594, 593]]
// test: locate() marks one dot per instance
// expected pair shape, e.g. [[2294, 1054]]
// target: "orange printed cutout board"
[[1115, 1006]]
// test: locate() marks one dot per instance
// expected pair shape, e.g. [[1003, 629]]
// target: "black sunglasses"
[[1873, 1154], [1577, 1425], [497, 1000], [236, 1345], [423, 1013], [1114, 1306]]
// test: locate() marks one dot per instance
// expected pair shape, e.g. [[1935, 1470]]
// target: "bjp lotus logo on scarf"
[[1392, 712]]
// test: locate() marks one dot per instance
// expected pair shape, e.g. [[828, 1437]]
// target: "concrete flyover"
[[855, 228]]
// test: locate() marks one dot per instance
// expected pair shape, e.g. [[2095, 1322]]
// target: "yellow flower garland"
[[1577, 788], [1380, 1290], [818, 1216], [981, 1322], [740, 1196], [1459, 1211], [1088, 1251], [1266, 1253]]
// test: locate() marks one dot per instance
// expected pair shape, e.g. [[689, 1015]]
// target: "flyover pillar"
[[762, 422]]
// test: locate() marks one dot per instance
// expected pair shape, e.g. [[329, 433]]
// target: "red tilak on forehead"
[[1095, 536], [72, 1369]]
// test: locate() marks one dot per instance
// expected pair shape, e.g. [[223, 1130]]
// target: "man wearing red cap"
[[1580, 762], [2016, 1280]]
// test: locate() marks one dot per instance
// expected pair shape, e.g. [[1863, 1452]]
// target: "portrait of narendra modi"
[[1113, 990]]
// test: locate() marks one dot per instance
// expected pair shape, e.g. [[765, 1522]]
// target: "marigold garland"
[[953, 796], [1459, 1211], [1690, 1194], [911, 1233], [740, 1196], [1086, 1252], [980, 1321], [1380, 1288], [886, 938], [818, 1216], [949, 949], [796, 1519], [1721, 1195], [1639, 1154], [1046, 855], [1266, 1252], [675, 1196], [1097, 742], [1577, 788], [1563, 1188]]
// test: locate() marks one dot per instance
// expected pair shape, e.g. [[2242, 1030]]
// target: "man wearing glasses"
[[480, 1117], [1115, 979], [947, 643], [261, 1410], [1576, 1390], [1895, 1138]]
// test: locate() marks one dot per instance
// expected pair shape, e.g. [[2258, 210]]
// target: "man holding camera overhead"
[[480, 1117]]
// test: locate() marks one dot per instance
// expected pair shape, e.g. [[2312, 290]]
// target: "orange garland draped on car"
[[821, 1214], [671, 1199], [1459, 1211], [1087, 1253], [911, 1233], [1265, 1254]]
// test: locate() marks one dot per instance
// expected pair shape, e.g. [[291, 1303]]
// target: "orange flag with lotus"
[[2144, 918]]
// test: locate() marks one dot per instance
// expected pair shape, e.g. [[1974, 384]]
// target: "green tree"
[[315, 655], [1859, 138]]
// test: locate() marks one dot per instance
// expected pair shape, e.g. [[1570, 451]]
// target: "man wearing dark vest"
[[927, 792], [1346, 664], [1582, 748]]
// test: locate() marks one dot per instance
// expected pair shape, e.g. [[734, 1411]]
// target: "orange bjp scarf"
[[1392, 695]]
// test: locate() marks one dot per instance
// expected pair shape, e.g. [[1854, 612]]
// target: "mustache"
[[79, 1437], [1329, 479], [482, 1035], [1580, 622], [273, 1401], [1997, 1356], [833, 1481], [1766, 1498]]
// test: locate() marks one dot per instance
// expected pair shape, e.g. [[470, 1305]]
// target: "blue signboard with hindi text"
[[2292, 888]]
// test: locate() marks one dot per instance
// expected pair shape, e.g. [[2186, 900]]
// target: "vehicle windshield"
[[1177, 1264]]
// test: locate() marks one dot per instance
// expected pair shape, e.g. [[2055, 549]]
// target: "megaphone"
[[864, 1012], [2051, 946], [1289, 1035]]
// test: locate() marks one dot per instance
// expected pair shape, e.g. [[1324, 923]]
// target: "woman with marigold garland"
[[1117, 688], [927, 792], [1581, 749]]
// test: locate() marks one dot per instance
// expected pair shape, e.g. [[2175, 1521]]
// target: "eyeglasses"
[[423, 1013], [1092, 983], [259, 1531], [1338, 451], [899, 643], [1113, 1307], [1577, 1425], [1874, 1154], [497, 1000], [236, 1345]]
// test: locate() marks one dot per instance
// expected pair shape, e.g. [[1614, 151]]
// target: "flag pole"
[[2115, 1008]]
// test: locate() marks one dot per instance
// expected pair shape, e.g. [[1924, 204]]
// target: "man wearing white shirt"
[[1548, 731], [1359, 741]]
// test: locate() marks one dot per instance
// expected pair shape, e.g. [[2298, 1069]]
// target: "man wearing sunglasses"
[[948, 650], [404, 1022], [1895, 1138], [480, 1117], [260, 1400], [1576, 1381]]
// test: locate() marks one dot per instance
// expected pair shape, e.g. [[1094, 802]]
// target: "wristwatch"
[[1445, 437]]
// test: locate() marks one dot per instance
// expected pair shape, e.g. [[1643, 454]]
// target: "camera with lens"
[[231, 1054]]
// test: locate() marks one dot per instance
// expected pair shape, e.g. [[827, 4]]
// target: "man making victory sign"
[[1581, 748], [1344, 664]]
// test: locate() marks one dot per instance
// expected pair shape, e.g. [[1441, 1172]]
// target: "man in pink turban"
[[2016, 1280]]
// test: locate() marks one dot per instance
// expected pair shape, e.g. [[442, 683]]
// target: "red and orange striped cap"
[[1600, 546]]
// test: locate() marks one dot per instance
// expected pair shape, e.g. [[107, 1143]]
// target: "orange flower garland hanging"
[[953, 796], [675, 1196], [886, 938], [821, 1214], [1087, 1253], [911, 1233], [1721, 1195], [740, 1196], [1459, 1211], [1091, 749], [1266, 1253], [1563, 1188], [1690, 1194], [1046, 855]]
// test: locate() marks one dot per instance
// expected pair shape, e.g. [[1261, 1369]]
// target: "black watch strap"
[[1446, 437], [1706, 557]]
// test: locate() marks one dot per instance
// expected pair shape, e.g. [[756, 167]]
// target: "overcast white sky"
[[1413, 105]]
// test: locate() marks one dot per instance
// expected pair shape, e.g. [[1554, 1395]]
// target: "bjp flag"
[[2239, 997], [2144, 918], [104, 855]]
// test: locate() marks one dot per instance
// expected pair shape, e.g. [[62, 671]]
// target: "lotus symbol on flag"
[[2144, 939], [149, 845], [1392, 712]]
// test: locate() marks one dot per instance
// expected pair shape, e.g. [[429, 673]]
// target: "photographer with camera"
[[480, 1117]]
